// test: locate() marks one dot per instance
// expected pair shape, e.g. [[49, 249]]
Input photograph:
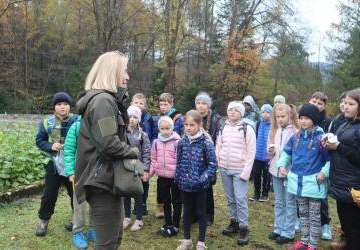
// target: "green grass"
[[18, 222]]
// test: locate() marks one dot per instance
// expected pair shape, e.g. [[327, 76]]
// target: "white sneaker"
[[200, 246], [138, 224], [126, 223], [185, 245]]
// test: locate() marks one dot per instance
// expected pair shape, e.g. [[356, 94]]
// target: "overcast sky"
[[317, 15]]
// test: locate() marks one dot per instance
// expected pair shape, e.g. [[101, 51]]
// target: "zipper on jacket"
[[164, 158], [98, 170], [281, 136]]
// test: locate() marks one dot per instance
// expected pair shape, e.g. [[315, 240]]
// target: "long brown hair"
[[355, 94], [293, 117]]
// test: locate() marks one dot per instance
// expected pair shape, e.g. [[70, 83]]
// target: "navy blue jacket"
[[147, 124], [196, 164], [178, 123]]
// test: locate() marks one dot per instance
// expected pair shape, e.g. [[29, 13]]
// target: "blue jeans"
[[236, 195], [284, 209]]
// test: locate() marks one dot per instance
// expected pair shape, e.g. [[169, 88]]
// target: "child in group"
[[284, 123], [261, 166], [319, 99], [50, 139], [137, 138], [307, 176], [195, 169], [147, 125], [235, 150], [166, 105], [70, 148], [163, 164]]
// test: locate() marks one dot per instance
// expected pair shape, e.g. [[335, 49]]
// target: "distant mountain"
[[325, 69]]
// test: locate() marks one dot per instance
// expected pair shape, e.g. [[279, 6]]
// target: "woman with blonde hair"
[[102, 140]]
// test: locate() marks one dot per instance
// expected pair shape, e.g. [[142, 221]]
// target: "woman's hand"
[[330, 146], [320, 177], [283, 171]]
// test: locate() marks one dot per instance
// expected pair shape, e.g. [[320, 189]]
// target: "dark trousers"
[[170, 195], [106, 210], [324, 210], [194, 201], [349, 216], [159, 199], [210, 204], [138, 207], [53, 182], [145, 195], [261, 169]]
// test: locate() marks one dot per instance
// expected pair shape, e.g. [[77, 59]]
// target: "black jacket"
[[345, 162]]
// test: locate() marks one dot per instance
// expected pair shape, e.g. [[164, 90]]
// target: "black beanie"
[[61, 97], [311, 111]]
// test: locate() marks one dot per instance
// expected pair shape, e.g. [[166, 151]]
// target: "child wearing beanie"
[[309, 163], [261, 166], [163, 164], [50, 139], [279, 99], [137, 138], [235, 151]]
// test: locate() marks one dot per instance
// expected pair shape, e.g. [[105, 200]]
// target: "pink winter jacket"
[[163, 157], [233, 151], [282, 135]]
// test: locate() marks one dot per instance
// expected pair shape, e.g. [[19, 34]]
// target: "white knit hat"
[[238, 106], [134, 111], [167, 119], [203, 96]]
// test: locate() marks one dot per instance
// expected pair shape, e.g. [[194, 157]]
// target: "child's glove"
[[204, 178]]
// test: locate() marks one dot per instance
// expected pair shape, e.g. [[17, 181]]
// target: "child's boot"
[[185, 245], [232, 228], [138, 224], [79, 240], [244, 236], [159, 213], [42, 228]]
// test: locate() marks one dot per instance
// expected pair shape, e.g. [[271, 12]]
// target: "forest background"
[[229, 48]]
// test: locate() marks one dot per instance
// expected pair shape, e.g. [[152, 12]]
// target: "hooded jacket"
[[234, 151], [102, 140], [306, 163], [163, 157], [345, 162]]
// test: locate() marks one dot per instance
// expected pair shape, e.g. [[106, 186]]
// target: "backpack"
[[246, 122]]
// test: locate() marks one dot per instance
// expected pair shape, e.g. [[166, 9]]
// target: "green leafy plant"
[[20, 160]]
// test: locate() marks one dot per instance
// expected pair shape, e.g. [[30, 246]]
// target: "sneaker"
[[170, 231], [79, 240], [42, 228], [126, 223], [326, 232], [185, 245], [298, 245], [160, 232], [138, 224], [91, 235], [297, 225], [284, 240], [254, 197], [232, 228], [273, 236], [264, 198], [200, 246], [69, 226]]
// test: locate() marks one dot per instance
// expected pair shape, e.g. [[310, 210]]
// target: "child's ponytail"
[[294, 117]]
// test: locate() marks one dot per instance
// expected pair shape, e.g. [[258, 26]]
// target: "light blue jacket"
[[307, 162]]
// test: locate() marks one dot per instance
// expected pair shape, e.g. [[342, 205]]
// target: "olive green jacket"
[[102, 140]]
